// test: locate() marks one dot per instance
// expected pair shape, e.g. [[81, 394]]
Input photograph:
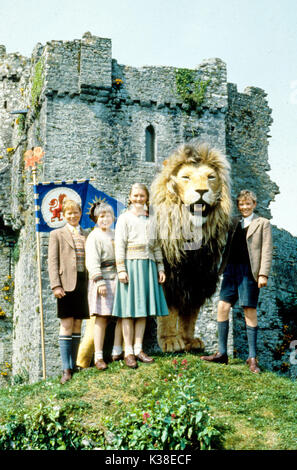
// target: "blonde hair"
[[244, 194], [69, 204], [168, 207], [139, 186]]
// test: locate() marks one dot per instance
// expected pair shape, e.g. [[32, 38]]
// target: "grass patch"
[[252, 412]]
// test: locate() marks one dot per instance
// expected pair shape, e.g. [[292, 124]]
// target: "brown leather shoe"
[[218, 358], [76, 369], [117, 357], [130, 361], [144, 358], [253, 365], [66, 376], [100, 364]]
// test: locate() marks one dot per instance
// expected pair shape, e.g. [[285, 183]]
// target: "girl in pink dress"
[[100, 262]]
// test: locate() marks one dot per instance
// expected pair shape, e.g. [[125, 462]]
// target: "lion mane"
[[191, 253]]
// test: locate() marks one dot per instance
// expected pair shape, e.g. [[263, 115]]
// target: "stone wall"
[[7, 256], [14, 72], [277, 310], [90, 126], [247, 132]]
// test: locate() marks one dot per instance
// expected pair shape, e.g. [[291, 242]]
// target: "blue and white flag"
[[49, 198]]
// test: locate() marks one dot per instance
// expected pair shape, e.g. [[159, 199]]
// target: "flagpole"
[[31, 157], [34, 172]]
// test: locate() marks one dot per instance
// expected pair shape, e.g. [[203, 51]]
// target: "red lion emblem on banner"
[[56, 207]]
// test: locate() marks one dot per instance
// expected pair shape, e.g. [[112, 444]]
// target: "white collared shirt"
[[245, 221], [74, 229]]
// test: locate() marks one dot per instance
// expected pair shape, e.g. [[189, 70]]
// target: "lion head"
[[191, 199]]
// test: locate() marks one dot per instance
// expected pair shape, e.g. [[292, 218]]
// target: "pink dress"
[[99, 305], [100, 262]]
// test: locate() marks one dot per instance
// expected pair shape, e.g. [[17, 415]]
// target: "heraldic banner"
[[49, 199]]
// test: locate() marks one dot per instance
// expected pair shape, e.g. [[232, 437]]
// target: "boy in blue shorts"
[[246, 265]]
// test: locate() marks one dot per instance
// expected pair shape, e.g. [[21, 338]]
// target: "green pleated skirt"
[[143, 296]]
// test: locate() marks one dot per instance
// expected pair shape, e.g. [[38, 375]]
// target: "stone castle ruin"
[[95, 118]]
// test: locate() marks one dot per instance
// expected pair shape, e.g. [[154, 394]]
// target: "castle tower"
[[95, 118]]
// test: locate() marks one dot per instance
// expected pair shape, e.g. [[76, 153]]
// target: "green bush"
[[174, 418], [169, 416], [191, 89], [46, 426]]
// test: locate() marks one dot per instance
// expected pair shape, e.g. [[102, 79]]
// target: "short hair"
[[103, 207], [69, 204], [245, 193], [98, 208]]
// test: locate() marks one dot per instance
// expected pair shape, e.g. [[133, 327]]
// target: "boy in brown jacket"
[[246, 265], [69, 283]]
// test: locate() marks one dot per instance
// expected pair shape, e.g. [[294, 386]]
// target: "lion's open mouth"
[[200, 208]]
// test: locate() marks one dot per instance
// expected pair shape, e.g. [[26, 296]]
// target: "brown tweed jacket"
[[62, 259], [259, 243]]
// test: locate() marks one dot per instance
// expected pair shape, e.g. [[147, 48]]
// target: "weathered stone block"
[[95, 62], [90, 129]]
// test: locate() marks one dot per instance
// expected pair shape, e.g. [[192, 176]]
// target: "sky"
[[256, 38]]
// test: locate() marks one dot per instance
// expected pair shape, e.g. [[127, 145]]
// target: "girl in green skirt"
[[139, 262]]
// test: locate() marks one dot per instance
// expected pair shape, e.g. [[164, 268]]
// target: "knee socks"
[[75, 345], [223, 330], [252, 340], [69, 348], [66, 351]]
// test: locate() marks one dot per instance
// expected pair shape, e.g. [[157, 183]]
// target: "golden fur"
[[167, 191], [194, 174]]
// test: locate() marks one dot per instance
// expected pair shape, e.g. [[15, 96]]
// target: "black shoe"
[[217, 358]]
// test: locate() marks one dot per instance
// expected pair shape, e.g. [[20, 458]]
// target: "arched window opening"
[[150, 144]]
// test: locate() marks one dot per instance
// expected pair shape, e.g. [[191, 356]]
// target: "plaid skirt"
[[99, 305]]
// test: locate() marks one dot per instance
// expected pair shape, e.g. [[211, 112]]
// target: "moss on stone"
[[16, 253], [191, 90], [21, 124], [37, 84]]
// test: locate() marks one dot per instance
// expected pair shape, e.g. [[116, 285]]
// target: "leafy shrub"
[[191, 89], [46, 426], [169, 416], [174, 418]]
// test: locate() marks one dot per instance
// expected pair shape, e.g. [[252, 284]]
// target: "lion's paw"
[[171, 344], [194, 343]]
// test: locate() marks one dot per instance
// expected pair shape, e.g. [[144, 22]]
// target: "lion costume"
[[192, 209]]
